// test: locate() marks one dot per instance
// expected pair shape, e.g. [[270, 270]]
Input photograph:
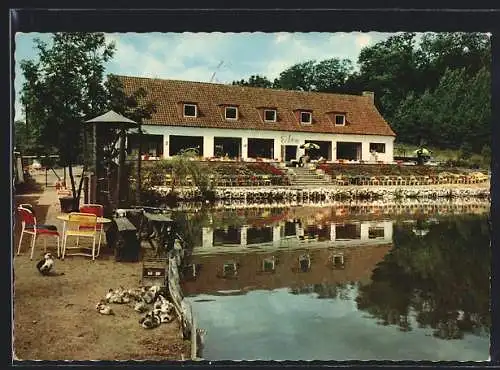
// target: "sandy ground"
[[55, 317]]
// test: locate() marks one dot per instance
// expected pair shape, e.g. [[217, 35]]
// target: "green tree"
[[330, 75], [458, 50], [298, 77], [390, 69], [455, 113], [255, 81], [62, 89], [25, 138]]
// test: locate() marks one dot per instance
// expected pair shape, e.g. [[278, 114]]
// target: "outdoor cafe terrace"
[[225, 174]]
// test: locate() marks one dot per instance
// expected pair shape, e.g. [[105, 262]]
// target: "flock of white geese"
[[146, 300]]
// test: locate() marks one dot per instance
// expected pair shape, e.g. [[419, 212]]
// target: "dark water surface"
[[312, 284]]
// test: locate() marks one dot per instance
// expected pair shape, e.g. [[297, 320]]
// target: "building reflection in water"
[[413, 272], [290, 253], [291, 233]]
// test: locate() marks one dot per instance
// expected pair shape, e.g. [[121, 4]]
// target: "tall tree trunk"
[[73, 187], [76, 193], [139, 162]]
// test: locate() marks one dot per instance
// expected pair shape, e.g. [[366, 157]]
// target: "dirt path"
[[55, 317]]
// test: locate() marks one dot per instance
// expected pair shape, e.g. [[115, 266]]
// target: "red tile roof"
[[362, 117]]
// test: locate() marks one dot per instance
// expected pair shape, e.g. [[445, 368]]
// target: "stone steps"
[[300, 176]]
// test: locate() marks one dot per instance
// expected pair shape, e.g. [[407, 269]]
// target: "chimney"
[[370, 95]]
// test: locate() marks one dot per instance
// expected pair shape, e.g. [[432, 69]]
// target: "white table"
[[65, 219]]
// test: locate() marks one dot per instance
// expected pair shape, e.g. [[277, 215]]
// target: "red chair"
[[98, 210], [29, 226]]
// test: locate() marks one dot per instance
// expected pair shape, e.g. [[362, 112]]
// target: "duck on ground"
[[103, 308], [150, 321]]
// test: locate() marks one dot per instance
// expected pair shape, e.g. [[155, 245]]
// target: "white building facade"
[[245, 123], [282, 141]]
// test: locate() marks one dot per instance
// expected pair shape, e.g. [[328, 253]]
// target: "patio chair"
[[189, 180], [30, 226], [341, 180], [81, 225], [443, 179], [454, 178], [168, 179], [413, 181], [98, 210], [364, 180], [266, 180], [387, 180], [433, 180]]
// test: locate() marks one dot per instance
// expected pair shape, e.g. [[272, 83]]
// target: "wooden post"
[[138, 183], [92, 188], [86, 190], [121, 161]]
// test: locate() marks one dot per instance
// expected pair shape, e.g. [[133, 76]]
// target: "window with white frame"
[[306, 117], [340, 120], [377, 147], [190, 110], [231, 113], [270, 115]]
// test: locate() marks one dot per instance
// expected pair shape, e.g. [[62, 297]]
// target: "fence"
[[182, 307]]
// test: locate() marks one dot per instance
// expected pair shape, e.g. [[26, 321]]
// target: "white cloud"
[[363, 40], [167, 55], [281, 37]]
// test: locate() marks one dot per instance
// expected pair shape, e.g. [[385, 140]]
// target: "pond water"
[[310, 283]]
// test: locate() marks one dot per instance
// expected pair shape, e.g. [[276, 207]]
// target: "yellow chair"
[[81, 225], [341, 180], [189, 180], [168, 179], [266, 180]]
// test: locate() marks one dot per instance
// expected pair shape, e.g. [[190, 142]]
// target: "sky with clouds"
[[198, 56]]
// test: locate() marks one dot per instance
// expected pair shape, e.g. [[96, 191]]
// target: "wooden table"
[[159, 229]]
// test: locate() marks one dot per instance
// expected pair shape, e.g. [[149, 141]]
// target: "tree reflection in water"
[[441, 278], [339, 290]]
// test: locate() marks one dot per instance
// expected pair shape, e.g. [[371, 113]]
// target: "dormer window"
[[270, 115], [306, 118], [231, 113], [190, 110], [340, 120]]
